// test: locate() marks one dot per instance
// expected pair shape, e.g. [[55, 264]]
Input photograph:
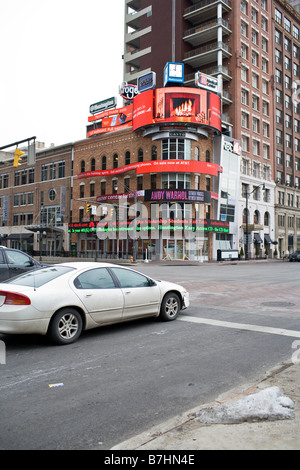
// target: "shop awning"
[[257, 238], [42, 228], [267, 239], [19, 236]]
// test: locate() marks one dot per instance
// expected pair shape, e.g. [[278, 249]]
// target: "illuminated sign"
[[160, 166], [103, 105], [177, 105], [160, 223], [109, 121], [146, 82], [128, 92], [185, 195], [111, 197], [232, 146], [173, 73], [207, 82]]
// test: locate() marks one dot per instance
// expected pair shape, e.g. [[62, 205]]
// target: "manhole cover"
[[278, 304]]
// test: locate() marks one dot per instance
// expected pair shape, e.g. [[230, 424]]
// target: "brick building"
[[35, 200], [102, 175]]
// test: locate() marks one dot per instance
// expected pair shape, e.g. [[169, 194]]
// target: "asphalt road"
[[120, 380]]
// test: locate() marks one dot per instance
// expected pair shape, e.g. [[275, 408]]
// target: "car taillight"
[[12, 298]]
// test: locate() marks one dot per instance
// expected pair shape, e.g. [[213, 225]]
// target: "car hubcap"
[[171, 307], [68, 326]]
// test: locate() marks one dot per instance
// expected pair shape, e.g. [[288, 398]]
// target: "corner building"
[[151, 183]]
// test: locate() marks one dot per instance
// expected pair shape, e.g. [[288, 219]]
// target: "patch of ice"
[[268, 404]]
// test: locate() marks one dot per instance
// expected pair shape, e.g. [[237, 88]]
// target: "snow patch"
[[268, 404]]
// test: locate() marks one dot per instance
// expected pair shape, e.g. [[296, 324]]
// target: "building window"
[[127, 158], [266, 219], [176, 181], [281, 220], [140, 155], [52, 194], [139, 184], [82, 166], [176, 149], [127, 184], [81, 190], [287, 24], [278, 16], [115, 160], [153, 181], [154, 152], [93, 164], [61, 169]]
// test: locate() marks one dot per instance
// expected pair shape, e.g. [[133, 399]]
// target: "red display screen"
[[177, 105]]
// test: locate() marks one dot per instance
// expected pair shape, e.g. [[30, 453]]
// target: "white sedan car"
[[64, 299]]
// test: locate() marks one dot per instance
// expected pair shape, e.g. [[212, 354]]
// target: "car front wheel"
[[170, 307], [65, 326]]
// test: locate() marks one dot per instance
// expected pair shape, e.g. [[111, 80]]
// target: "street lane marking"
[[241, 326]]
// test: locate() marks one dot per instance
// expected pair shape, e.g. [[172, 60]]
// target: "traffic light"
[[88, 208], [18, 155]]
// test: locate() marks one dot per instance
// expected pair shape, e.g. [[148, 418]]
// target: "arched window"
[[82, 166], [140, 155], [104, 162], [256, 217], [197, 153], [207, 156], [267, 218], [127, 158], [93, 164], [115, 160], [154, 152]]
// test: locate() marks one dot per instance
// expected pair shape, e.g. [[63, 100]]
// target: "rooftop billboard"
[[177, 105]]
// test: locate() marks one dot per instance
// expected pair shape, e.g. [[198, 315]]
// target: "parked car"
[[64, 299], [295, 256], [14, 262]]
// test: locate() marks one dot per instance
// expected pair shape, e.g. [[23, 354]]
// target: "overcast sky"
[[57, 58]]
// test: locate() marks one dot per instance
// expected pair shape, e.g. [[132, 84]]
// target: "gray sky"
[[57, 58]]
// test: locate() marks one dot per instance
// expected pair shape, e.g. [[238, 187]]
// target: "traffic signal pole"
[[18, 152]]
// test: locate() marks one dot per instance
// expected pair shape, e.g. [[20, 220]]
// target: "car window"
[[98, 278], [15, 257], [1, 257], [129, 278], [39, 277]]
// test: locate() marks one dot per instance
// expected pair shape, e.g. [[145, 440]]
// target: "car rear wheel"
[[65, 326], [170, 307]]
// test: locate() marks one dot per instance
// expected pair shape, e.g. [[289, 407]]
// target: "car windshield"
[[39, 277]]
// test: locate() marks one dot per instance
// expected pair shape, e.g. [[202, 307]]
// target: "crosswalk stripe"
[[241, 326]]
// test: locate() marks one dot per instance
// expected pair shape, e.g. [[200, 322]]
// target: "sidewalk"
[[187, 432]]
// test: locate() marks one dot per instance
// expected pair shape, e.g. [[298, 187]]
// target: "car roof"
[[87, 264]]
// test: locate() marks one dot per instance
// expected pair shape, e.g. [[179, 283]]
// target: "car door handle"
[[87, 295], [127, 292]]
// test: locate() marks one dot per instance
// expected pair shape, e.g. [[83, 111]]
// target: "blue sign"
[[146, 82], [173, 73]]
